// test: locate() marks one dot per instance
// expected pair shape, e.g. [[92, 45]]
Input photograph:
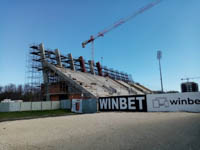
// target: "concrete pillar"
[[71, 62], [42, 52], [44, 71], [99, 68], [91, 63], [43, 58], [58, 58], [82, 64]]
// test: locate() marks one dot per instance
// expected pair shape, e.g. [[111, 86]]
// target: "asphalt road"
[[101, 131]]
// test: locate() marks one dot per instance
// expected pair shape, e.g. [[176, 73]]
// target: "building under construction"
[[65, 77]]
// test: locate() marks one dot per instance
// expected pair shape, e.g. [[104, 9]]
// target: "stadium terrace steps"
[[94, 85], [141, 88], [131, 88]]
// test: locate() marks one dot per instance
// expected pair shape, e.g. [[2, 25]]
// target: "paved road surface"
[[101, 131]]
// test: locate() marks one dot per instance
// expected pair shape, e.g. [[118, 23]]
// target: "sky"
[[173, 26]]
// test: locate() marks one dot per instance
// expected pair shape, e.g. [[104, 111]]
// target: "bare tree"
[[22, 92], [1, 89]]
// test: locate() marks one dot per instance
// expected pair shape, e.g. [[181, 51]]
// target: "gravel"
[[101, 131]]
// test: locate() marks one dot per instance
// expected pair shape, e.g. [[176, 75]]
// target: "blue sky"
[[173, 26]]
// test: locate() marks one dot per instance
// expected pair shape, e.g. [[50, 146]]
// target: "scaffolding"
[[33, 75]]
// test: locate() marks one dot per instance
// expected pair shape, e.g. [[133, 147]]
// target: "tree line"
[[20, 92]]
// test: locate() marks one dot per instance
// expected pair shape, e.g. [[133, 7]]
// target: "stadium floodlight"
[[159, 56]]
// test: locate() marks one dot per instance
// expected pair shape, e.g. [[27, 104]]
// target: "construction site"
[[71, 101], [60, 76], [65, 77]]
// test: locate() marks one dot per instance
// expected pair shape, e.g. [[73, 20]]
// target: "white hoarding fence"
[[29, 106], [189, 101]]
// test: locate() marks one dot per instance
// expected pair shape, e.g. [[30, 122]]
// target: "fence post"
[[20, 106], [41, 105]]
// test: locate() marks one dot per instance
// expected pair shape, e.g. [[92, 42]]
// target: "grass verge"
[[6, 116]]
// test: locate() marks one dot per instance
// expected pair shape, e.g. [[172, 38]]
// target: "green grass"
[[32, 114]]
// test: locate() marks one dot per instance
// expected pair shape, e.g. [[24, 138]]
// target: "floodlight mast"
[[159, 56], [117, 24]]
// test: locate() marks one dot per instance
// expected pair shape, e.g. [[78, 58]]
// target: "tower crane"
[[118, 23], [187, 79]]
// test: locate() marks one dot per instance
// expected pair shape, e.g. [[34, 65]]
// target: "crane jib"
[[120, 22]]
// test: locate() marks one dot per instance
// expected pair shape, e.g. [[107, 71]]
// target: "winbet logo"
[[164, 102], [187, 101], [123, 103]]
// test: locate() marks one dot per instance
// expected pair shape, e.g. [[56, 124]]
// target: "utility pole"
[[159, 56]]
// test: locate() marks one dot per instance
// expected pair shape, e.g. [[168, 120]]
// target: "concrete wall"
[[4, 107], [28, 106], [65, 104], [37, 106], [25, 106], [55, 105], [14, 107], [46, 105], [84, 106], [89, 106]]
